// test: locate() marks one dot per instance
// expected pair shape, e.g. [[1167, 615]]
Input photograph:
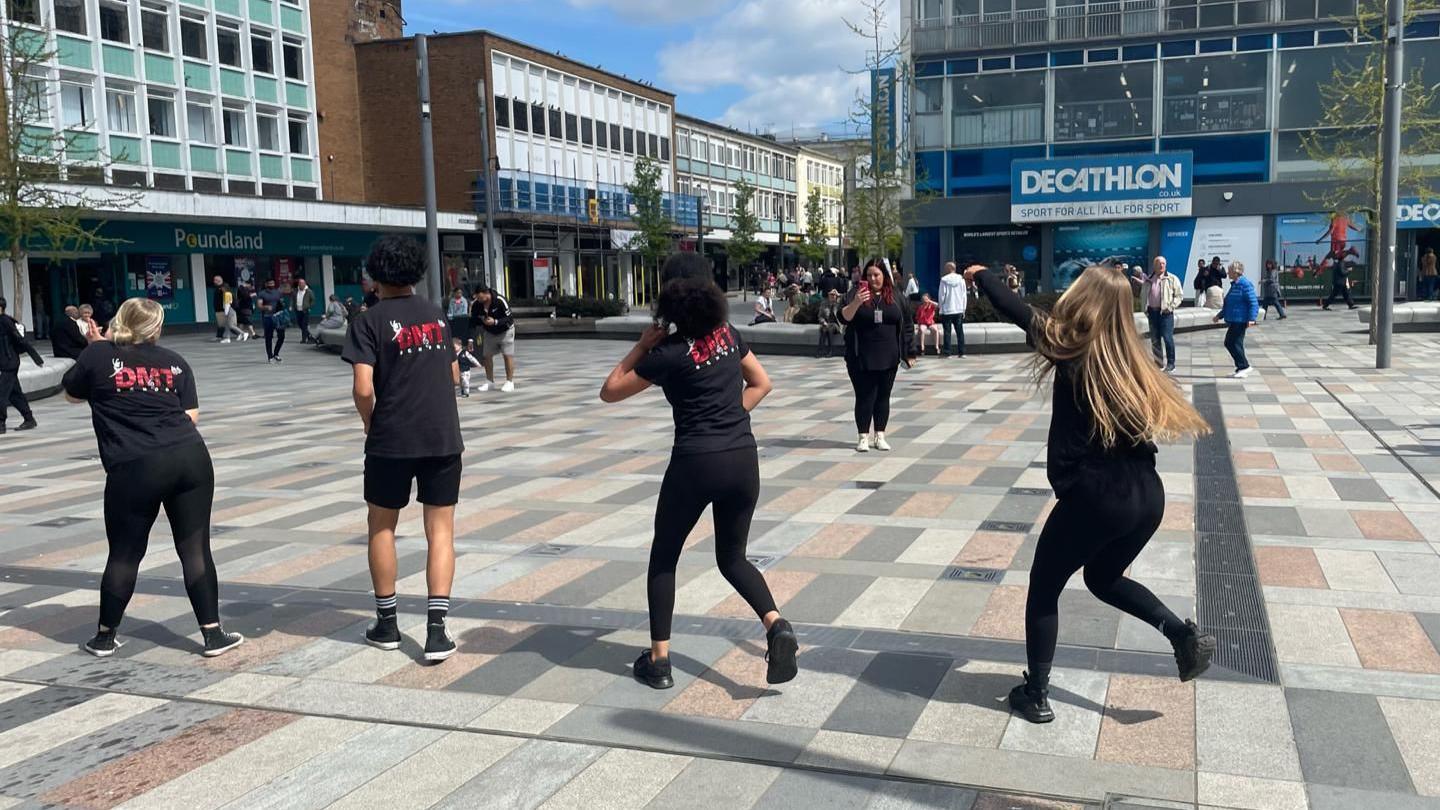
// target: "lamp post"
[[427, 158], [1384, 297]]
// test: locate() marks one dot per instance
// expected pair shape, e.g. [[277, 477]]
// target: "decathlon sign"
[[1413, 213], [1100, 187]]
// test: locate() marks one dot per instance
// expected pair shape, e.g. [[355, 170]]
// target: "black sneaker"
[[384, 634], [781, 648], [103, 645], [652, 674], [219, 642], [28, 424], [438, 643], [1193, 653], [1032, 702]]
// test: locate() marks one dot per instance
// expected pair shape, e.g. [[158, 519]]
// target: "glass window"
[[587, 132], [1113, 101], [1304, 74], [555, 127], [522, 115], [629, 141], [654, 151], [70, 16], [615, 137], [24, 11], [537, 115], [77, 106], [267, 131], [572, 127], [997, 108], [682, 147], [294, 59], [262, 53], [120, 109], [502, 112], [227, 44], [602, 135], [232, 123], [928, 11], [114, 23], [929, 99], [200, 121], [161, 112], [34, 100], [1214, 93], [664, 148], [299, 137], [192, 38], [155, 29]]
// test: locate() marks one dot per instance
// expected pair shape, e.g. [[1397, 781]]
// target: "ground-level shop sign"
[[189, 237], [1108, 187]]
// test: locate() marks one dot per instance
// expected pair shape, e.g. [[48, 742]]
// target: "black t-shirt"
[[138, 397], [407, 340], [703, 384]]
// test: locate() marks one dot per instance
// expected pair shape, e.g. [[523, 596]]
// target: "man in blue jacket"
[[1242, 307]]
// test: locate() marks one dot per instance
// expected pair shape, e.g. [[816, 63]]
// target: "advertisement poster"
[[998, 245], [540, 274], [1308, 246], [284, 272], [159, 283], [1081, 245], [244, 270], [1185, 242]]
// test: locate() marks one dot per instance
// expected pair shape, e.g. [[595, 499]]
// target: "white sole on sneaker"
[[239, 639], [440, 656], [382, 645], [102, 653]]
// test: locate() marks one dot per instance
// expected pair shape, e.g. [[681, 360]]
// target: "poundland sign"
[[1101, 187], [226, 240]]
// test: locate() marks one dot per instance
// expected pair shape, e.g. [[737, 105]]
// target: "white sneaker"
[[226, 340], [508, 386], [863, 446], [1246, 372], [485, 386], [880, 443]]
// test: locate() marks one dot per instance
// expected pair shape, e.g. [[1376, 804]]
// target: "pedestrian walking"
[[497, 324], [1270, 292], [144, 408], [227, 317], [827, 316], [304, 300], [1161, 294], [13, 343], [878, 338], [712, 381], [217, 303], [245, 309], [1109, 407], [1242, 306], [405, 374], [467, 363], [1429, 280], [954, 297], [275, 316], [1340, 284]]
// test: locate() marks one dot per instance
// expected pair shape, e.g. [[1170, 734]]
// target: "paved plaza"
[[905, 574]]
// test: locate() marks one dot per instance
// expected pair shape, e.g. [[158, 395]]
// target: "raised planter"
[[39, 382], [1420, 316]]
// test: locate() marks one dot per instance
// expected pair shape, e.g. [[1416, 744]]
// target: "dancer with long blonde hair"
[[1110, 405]]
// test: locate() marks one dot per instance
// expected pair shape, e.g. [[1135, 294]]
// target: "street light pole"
[[427, 157], [1384, 298], [490, 184]]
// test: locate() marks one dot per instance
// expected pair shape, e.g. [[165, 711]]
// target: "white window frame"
[[207, 135], [273, 117], [84, 92], [124, 11], [270, 38], [286, 43], [150, 11], [126, 109], [304, 121], [241, 127], [153, 97], [84, 17], [204, 36], [240, 43]]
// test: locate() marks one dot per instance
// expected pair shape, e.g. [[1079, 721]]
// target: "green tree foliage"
[[743, 249], [814, 248], [653, 227]]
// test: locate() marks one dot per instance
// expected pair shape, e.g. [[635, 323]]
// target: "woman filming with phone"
[[712, 381], [1111, 403], [878, 340]]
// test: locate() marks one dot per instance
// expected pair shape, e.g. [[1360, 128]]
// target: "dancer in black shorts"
[[712, 382], [1110, 405], [144, 407], [405, 378]]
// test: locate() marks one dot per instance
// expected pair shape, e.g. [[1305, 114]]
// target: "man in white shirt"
[[953, 295], [304, 299], [1161, 294]]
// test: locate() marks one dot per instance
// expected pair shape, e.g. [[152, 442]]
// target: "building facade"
[[823, 177], [1232, 86]]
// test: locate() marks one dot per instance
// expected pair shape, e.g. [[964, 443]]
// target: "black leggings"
[[183, 481], [872, 397], [274, 339], [1102, 528], [729, 482]]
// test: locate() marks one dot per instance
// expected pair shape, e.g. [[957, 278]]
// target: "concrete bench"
[[39, 382], [1418, 316], [332, 339]]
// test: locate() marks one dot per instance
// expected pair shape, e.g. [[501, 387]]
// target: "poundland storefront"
[[173, 263]]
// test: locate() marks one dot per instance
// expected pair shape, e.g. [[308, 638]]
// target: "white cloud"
[[792, 59], [655, 12]]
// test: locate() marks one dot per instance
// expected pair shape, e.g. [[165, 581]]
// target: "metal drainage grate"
[[1029, 491], [549, 550], [762, 562], [60, 522], [219, 530], [869, 484], [965, 574], [1013, 526], [1228, 599]]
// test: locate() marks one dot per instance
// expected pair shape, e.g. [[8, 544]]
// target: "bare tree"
[[873, 217], [42, 202], [1346, 138]]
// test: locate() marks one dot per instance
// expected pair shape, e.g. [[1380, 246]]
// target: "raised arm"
[[1010, 306]]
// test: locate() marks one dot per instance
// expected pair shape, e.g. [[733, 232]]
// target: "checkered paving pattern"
[[906, 572]]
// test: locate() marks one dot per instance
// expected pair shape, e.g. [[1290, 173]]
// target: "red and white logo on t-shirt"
[[419, 337], [144, 378], [706, 350]]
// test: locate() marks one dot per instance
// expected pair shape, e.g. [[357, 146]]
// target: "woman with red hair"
[[877, 341]]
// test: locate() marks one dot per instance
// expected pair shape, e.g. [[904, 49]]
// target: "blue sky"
[[767, 65]]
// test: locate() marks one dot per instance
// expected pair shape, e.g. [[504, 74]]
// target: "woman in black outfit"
[[143, 403], [712, 382], [1110, 405], [878, 340]]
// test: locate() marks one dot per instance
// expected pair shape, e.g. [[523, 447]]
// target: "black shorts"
[[437, 479]]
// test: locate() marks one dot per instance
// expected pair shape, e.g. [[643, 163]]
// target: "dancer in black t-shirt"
[[404, 388], [1110, 403], [143, 403], [712, 382]]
